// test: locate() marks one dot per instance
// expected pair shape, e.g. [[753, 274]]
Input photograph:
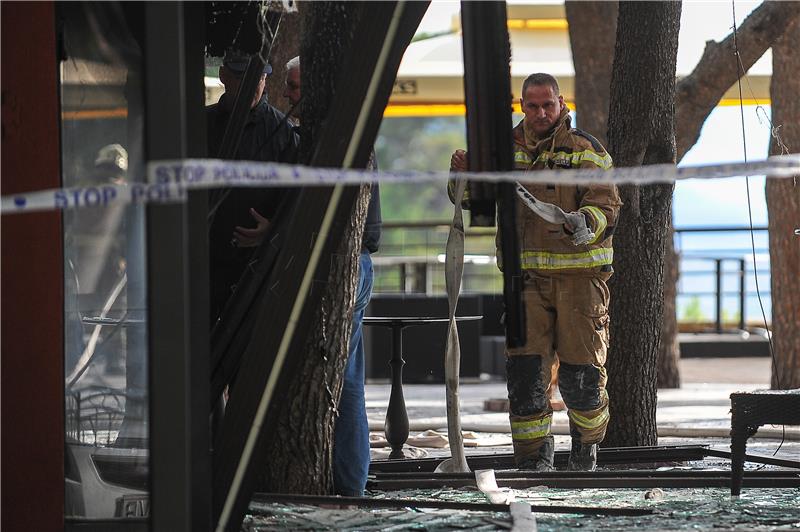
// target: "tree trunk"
[[592, 33], [783, 206], [591, 27], [327, 30], [698, 93], [667, 373], [641, 130], [307, 420], [286, 46]]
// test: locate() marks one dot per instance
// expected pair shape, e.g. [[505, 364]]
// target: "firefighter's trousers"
[[566, 319]]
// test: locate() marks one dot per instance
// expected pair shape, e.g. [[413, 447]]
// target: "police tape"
[[169, 181]]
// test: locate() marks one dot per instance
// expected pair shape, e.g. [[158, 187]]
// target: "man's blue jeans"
[[351, 431]]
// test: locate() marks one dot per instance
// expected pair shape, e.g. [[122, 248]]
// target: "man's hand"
[[574, 220], [458, 161], [245, 237], [576, 226]]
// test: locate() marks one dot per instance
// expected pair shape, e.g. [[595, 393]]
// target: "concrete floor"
[[697, 410], [741, 370]]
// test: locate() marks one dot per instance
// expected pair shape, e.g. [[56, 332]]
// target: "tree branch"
[[697, 94], [592, 36]]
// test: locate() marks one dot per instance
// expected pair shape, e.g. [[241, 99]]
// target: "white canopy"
[[430, 78]]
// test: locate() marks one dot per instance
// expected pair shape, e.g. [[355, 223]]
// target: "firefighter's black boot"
[[582, 456], [542, 462]]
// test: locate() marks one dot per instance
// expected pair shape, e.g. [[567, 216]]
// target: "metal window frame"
[[177, 276]]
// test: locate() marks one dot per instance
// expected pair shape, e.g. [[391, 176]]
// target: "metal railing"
[[411, 260], [741, 255]]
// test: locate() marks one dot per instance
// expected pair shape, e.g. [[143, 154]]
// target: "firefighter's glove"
[[576, 224]]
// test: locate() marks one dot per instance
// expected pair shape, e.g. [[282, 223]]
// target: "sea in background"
[[726, 203]]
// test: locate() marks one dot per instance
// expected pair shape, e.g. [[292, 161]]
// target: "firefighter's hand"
[[246, 237], [576, 226], [574, 221], [458, 161]]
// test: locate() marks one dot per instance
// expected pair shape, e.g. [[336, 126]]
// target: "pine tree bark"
[[307, 421], [592, 34], [286, 46], [641, 130], [783, 207], [668, 374]]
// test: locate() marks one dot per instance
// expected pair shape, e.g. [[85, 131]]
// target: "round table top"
[[413, 320]]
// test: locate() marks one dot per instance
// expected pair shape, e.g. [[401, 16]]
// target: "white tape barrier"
[[168, 181]]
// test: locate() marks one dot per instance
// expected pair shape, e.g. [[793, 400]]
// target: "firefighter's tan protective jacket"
[[546, 248]]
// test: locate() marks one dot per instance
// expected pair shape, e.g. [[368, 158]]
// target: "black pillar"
[[487, 92], [177, 258]]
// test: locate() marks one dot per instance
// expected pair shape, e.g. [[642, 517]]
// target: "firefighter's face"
[[542, 107], [232, 82]]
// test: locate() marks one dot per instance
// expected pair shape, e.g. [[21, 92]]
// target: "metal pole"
[[742, 293], [575, 480], [365, 502], [423, 279], [177, 278], [718, 316], [487, 91]]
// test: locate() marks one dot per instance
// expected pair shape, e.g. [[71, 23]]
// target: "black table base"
[[396, 425]]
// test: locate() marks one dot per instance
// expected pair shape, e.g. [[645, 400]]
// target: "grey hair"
[[293, 63]]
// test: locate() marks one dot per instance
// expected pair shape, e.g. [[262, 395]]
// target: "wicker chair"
[[751, 410]]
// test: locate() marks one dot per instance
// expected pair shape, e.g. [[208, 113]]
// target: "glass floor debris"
[[674, 509], [677, 508]]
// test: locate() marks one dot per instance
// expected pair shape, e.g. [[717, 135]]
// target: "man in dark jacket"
[[240, 216]]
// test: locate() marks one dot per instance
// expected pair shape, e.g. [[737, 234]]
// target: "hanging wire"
[[774, 131], [740, 73]]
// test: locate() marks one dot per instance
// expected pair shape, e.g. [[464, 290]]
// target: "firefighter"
[[566, 263]]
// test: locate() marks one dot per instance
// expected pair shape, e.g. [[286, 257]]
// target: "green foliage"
[[693, 312], [417, 144], [425, 144], [730, 317]]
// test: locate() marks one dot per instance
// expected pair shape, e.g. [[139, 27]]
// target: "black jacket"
[[372, 227], [266, 136]]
